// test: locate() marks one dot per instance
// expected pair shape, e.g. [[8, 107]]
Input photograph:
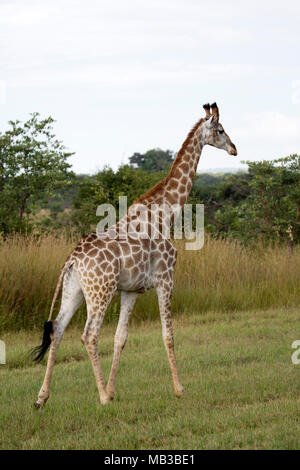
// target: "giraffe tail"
[[65, 267], [39, 351]]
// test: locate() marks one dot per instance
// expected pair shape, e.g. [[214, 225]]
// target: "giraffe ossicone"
[[100, 265]]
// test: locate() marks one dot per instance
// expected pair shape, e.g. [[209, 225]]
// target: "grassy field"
[[222, 277], [241, 389]]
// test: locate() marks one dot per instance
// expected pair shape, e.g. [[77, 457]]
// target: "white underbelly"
[[133, 282]]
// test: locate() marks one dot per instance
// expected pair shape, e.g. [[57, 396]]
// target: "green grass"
[[241, 388]]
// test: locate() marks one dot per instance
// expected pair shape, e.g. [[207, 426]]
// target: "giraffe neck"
[[173, 191], [176, 187], [182, 175]]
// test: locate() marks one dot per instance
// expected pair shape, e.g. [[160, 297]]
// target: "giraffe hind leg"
[[72, 298]]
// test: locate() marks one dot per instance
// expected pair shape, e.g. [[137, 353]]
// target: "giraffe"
[[102, 264]]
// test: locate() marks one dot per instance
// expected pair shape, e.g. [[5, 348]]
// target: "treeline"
[[39, 192]]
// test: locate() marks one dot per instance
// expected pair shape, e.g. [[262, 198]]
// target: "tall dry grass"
[[223, 277], [28, 274]]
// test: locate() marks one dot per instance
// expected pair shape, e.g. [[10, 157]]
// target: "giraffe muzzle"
[[232, 150]]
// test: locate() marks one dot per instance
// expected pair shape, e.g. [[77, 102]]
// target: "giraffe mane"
[[161, 184]]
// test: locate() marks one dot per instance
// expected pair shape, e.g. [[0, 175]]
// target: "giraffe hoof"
[[179, 392], [104, 400], [111, 395], [40, 402]]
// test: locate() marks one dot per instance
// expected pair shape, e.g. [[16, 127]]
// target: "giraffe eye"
[[221, 131]]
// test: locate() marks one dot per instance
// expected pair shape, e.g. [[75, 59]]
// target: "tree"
[[106, 187], [272, 208], [152, 160], [219, 192], [33, 164]]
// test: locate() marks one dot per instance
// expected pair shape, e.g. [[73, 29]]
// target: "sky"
[[123, 77]]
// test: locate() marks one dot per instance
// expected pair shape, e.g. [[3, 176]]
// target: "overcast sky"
[[124, 76]]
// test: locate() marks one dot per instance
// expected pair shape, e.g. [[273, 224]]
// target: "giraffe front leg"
[[164, 299], [127, 302]]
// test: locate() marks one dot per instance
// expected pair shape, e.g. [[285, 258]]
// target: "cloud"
[[70, 31], [296, 92], [21, 14], [270, 125], [2, 92], [124, 75], [267, 135], [143, 68]]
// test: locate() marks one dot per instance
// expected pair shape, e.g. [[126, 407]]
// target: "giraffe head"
[[213, 131]]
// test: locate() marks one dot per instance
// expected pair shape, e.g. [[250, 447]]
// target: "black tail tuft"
[[39, 352]]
